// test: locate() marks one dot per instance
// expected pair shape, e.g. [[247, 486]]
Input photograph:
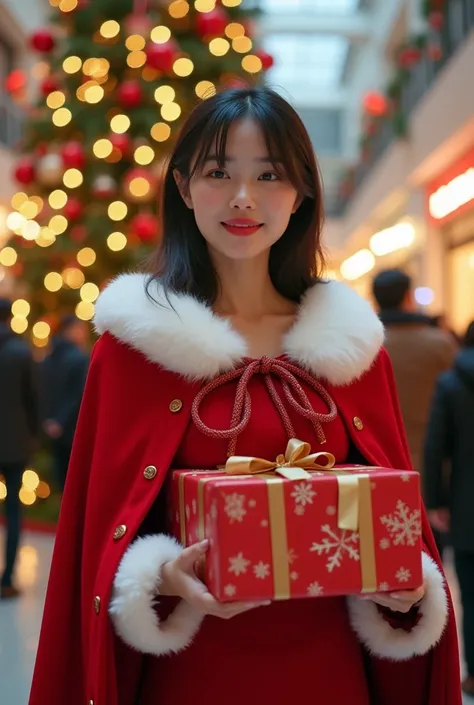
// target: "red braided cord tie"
[[294, 393]]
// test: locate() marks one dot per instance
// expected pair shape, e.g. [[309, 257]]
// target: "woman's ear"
[[297, 204], [183, 187]]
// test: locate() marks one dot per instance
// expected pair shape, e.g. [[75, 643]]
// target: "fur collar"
[[336, 336]]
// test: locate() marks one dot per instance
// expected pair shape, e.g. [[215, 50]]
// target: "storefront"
[[450, 207]]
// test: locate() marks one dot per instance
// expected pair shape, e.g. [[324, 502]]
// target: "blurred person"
[[235, 310], [19, 427], [419, 352], [450, 496], [64, 377]]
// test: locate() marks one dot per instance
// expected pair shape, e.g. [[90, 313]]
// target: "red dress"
[[292, 648]]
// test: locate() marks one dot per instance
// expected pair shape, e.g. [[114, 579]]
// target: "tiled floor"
[[20, 620]]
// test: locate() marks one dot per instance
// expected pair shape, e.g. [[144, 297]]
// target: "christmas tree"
[[119, 76]]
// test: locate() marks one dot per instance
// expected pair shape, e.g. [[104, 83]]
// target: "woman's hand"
[[401, 601], [179, 579]]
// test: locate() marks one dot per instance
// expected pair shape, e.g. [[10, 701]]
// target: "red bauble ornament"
[[266, 59], [161, 56], [409, 57], [42, 40], [49, 85], [73, 155], [436, 20], [138, 23], [121, 142], [434, 51], [25, 171], [375, 103], [73, 209], [130, 94], [15, 81], [145, 227], [235, 82], [212, 24]]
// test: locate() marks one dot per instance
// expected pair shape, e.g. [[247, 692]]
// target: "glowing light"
[[205, 5], [58, 224], [62, 117], [68, 5], [136, 59], [242, 45], [178, 9], [110, 29], [231, 3], [144, 155], [165, 94], [30, 230], [57, 199], [21, 308], [205, 89], [43, 490], [55, 100], [160, 131], [359, 264], [170, 111], [19, 325], [120, 124], [234, 29], [160, 34], [85, 310], [30, 480], [424, 295], [46, 237], [89, 292], [103, 148], [252, 63], [453, 195], [41, 330], [8, 257], [27, 497], [135, 42], [117, 210], [40, 342], [116, 241], [18, 200], [183, 67], [53, 281], [3, 491], [30, 209], [96, 68], [72, 64], [392, 239], [73, 277], [94, 94], [15, 221], [86, 257], [219, 47], [73, 178]]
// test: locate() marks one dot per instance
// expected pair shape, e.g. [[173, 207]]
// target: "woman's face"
[[243, 208]]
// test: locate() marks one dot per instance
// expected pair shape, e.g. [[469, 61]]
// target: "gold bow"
[[293, 465]]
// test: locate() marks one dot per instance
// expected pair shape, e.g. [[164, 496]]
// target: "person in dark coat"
[[449, 495], [64, 377], [19, 426]]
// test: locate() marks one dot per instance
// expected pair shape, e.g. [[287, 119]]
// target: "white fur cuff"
[[382, 640], [136, 586]]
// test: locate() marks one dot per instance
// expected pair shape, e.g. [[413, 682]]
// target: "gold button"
[[120, 532], [150, 472], [97, 604], [358, 423], [176, 405]]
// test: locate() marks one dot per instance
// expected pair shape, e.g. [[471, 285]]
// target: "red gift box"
[[334, 531]]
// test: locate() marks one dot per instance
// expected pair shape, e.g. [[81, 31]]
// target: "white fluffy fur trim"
[[383, 641], [336, 336], [136, 586]]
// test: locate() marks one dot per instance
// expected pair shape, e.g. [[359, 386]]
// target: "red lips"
[[242, 226]]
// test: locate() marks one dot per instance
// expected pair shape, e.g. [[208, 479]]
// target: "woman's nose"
[[242, 198]]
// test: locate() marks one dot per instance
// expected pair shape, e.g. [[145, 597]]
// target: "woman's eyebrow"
[[259, 160]]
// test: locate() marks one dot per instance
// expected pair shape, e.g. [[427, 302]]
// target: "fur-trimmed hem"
[[136, 587], [382, 640]]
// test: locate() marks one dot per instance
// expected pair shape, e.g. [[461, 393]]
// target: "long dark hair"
[[469, 336], [182, 264]]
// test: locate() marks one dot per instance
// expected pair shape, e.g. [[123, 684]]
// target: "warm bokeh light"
[[135, 42], [18, 200], [120, 124], [61, 117], [242, 45], [53, 281], [205, 89], [30, 480], [116, 241], [205, 5], [46, 237], [27, 497], [139, 187], [43, 490], [89, 292], [96, 68], [117, 210], [73, 178], [94, 94], [110, 29], [178, 9], [144, 155], [68, 5], [234, 29], [55, 100], [30, 208], [252, 63], [58, 224], [57, 199], [8, 257], [183, 67], [170, 111], [41, 330], [160, 34], [160, 131], [231, 3], [21, 308], [3, 490], [30, 230], [15, 221], [136, 59], [103, 148], [165, 94], [219, 47], [72, 64], [73, 277], [85, 310], [86, 257], [19, 324]]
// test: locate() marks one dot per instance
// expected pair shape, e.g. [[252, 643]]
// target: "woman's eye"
[[269, 176], [217, 174]]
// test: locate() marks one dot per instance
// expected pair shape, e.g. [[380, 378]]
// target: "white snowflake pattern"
[[303, 494], [235, 507], [405, 477], [315, 589], [292, 557], [404, 525], [384, 544], [238, 564], [384, 587], [294, 575], [299, 510], [252, 503], [194, 505], [331, 511], [336, 545], [188, 512], [261, 570], [230, 590], [403, 575], [264, 523]]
